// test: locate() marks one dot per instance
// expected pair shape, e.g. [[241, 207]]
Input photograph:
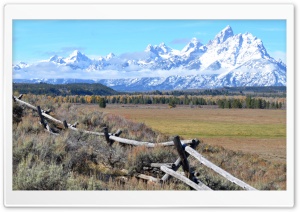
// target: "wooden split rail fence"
[[185, 148]]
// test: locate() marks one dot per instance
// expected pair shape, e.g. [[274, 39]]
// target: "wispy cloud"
[[51, 70]]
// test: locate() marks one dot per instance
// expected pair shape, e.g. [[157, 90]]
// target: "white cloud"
[[50, 70]]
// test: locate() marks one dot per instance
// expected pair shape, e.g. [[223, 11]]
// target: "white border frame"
[[147, 198]]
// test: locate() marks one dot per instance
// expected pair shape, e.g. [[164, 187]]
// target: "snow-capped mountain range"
[[226, 60]]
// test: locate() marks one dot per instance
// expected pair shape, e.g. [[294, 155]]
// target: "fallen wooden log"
[[158, 165], [146, 177], [217, 169], [184, 179]]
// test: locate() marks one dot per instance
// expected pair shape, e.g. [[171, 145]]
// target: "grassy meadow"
[[250, 130]]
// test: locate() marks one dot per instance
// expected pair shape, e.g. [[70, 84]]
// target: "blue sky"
[[35, 40]]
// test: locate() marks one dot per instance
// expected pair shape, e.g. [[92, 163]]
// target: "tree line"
[[249, 102], [172, 101], [100, 89], [64, 89]]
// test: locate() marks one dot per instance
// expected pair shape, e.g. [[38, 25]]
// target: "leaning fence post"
[[20, 96], [177, 163], [41, 116], [184, 161], [183, 157], [106, 135], [65, 124]]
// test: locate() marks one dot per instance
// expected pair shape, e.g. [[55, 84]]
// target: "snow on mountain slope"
[[227, 60], [20, 66], [233, 50]]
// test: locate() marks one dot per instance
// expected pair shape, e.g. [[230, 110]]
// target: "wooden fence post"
[[184, 161], [41, 116], [43, 122], [20, 96], [177, 164], [65, 124], [106, 135]]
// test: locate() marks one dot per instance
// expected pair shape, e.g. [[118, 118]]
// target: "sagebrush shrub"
[[142, 156], [36, 175]]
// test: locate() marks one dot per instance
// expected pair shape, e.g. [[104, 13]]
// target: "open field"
[[250, 130]]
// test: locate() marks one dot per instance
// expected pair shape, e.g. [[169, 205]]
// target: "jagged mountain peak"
[[77, 56], [57, 59], [20, 66], [162, 48], [195, 41], [162, 45], [227, 29], [52, 58], [75, 53], [110, 56], [256, 44], [149, 48], [223, 35], [192, 46]]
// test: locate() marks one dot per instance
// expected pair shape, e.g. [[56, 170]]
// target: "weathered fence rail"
[[217, 169], [184, 148], [184, 179], [108, 136]]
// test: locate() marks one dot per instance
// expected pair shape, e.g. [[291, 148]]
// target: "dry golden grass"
[[249, 130]]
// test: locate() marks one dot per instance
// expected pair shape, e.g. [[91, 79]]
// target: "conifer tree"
[[102, 103]]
